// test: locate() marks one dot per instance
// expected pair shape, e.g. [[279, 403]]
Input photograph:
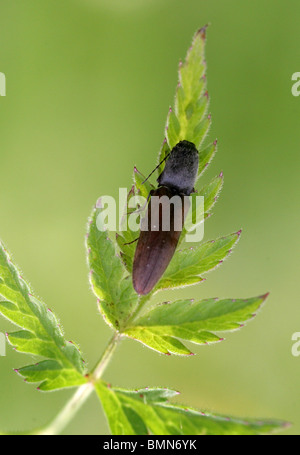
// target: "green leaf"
[[41, 333], [146, 411], [172, 129], [190, 121], [126, 238], [205, 157], [108, 277], [162, 327], [165, 149], [210, 194], [211, 191], [187, 264], [142, 186], [127, 248]]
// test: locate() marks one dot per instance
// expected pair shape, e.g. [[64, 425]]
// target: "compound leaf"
[[166, 324], [147, 411], [188, 264], [41, 333], [108, 277], [189, 121]]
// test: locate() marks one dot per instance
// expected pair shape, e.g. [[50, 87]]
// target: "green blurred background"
[[89, 83]]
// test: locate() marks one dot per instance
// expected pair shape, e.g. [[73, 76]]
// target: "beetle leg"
[[141, 209], [133, 241]]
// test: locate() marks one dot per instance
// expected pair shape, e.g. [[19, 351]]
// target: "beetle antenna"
[[156, 168]]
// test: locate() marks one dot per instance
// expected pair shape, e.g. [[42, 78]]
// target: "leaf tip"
[[202, 32], [286, 425], [99, 203]]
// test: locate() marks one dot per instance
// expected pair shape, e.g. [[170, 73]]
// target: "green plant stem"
[[82, 393], [68, 412], [143, 300], [98, 371]]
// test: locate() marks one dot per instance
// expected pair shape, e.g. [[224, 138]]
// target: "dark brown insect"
[[163, 223]]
